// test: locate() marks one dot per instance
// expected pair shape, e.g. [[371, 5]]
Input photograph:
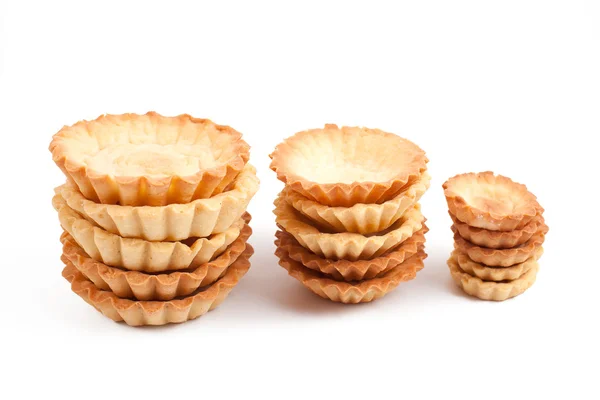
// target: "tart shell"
[[496, 274]]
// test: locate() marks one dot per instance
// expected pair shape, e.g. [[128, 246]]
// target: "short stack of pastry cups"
[[499, 230], [174, 247], [356, 242]]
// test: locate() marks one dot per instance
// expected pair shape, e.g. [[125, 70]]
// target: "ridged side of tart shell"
[[496, 274]]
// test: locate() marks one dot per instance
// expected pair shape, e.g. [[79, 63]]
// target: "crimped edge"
[[142, 286], [475, 217], [138, 254], [139, 313], [352, 292], [496, 291], [148, 190], [349, 246], [200, 218], [360, 218], [496, 274], [343, 194], [344, 270]]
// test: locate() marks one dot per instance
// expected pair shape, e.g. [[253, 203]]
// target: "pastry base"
[[496, 274]]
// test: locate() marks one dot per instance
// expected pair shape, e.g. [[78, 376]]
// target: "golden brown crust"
[[70, 145], [352, 292], [488, 201], [344, 270], [377, 165], [496, 274], [138, 313]]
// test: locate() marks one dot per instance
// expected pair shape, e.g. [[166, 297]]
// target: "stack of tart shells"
[[499, 230], [350, 224], [154, 214]]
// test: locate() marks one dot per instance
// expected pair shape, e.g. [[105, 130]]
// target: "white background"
[[508, 86]]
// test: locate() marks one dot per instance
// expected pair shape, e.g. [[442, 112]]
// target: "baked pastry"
[[136, 160], [142, 286], [485, 290], [360, 218], [348, 165], [489, 201], [139, 254], [200, 218], [344, 270], [496, 274], [137, 313], [352, 292], [349, 246]]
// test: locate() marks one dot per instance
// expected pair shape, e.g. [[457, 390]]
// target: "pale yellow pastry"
[[138, 313], [484, 290], [352, 292], [136, 160], [344, 270], [489, 201], [348, 165], [360, 218], [139, 254], [143, 286], [349, 246], [200, 218], [496, 274]]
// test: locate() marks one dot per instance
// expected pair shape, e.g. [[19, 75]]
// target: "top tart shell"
[[349, 165], [492, 202], [137, 160]]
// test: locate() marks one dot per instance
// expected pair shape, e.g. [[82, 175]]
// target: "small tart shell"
[[70, 145], [360, 149], [142, 286], [497, 291], [348, 246], [488, 201], [496, 274], [352, 292], [360, 218], [501, 257], [200, 218], [139, 254], [344, 270], [138, 313], [498, 239]]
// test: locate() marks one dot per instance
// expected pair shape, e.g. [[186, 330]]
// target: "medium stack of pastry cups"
[[499, 230], [154, 248], [345, 238]]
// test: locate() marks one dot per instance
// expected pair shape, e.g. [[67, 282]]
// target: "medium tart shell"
[[352, 292], [496, 274], [348, 165], [488, 201], [360, 218], [146, 179], [348, 246], [344, 270], [138, 313], [138, 254], [498, 239], [141, 286], [200, 218], [501, 257], [496, 291]]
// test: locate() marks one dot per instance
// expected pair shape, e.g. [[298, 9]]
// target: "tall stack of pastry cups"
[[350, 226], [153, 249], [499, 230]]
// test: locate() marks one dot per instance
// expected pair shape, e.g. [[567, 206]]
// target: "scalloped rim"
[[139, 313], [344, 270], [354, 292], [148, 190], [343, 194], [475, 217], [496, 274], [349, 246], [360, 218], [496, 291], [200, 218]]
